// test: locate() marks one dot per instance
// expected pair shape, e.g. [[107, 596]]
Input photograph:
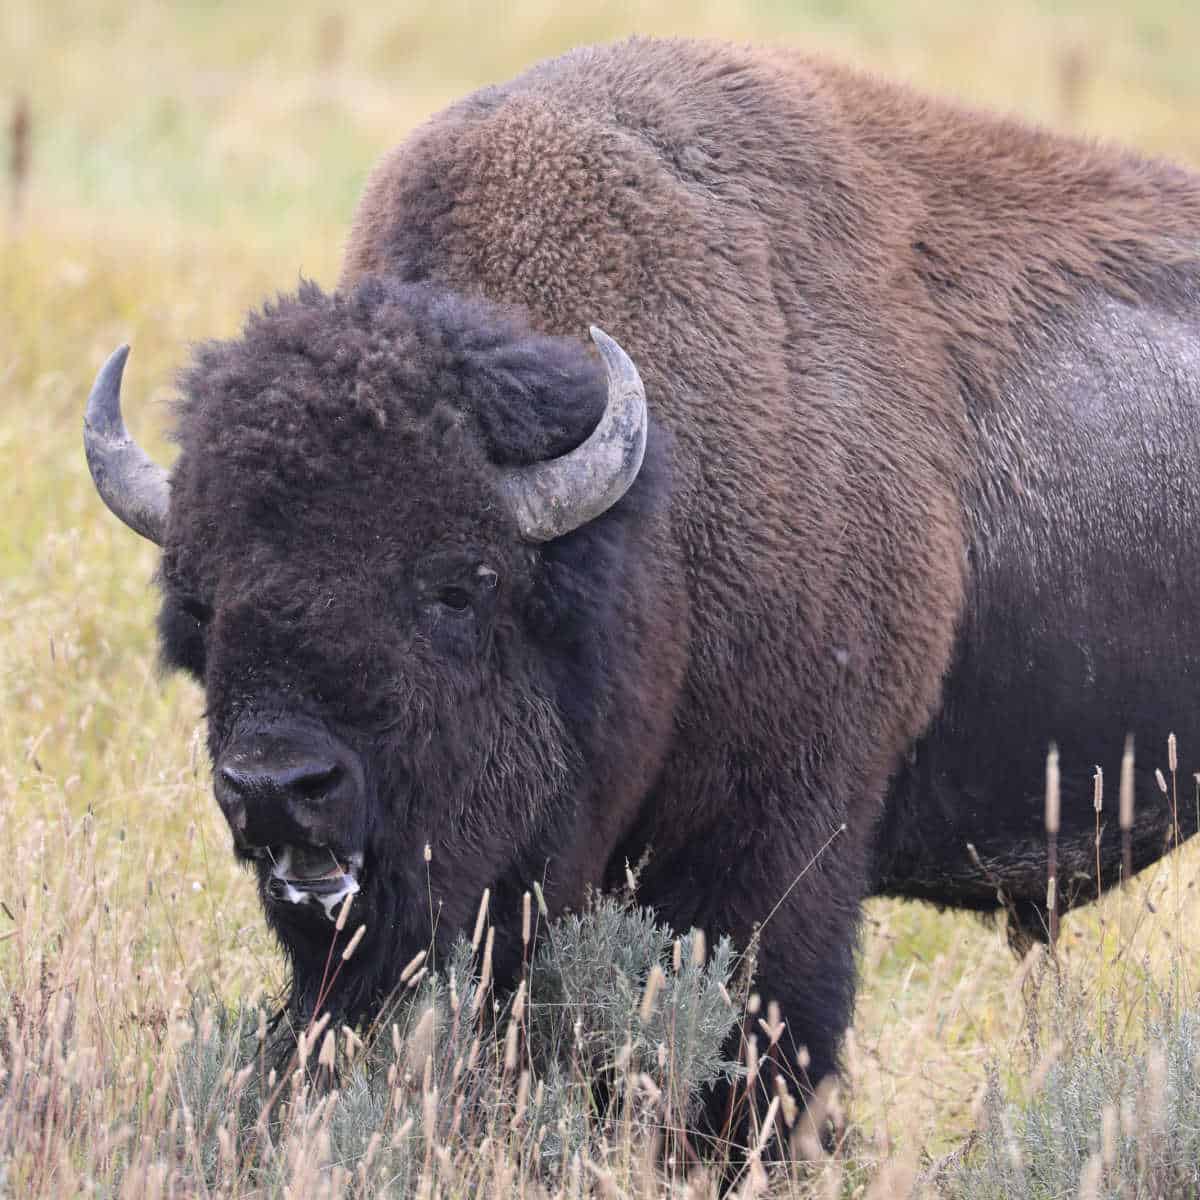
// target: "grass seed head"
[[654, 982], [480, 918], [412, 965], [1053, 798], [1125, 811], [352, 945]]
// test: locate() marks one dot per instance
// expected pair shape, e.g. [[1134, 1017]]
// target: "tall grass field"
[[167, 165]]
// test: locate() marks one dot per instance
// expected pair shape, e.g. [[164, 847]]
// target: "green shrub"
[[1114, 1113], [457, 1088]]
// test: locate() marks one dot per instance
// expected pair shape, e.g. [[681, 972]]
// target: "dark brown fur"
[[834, 290], [828, 279], [715, 210]]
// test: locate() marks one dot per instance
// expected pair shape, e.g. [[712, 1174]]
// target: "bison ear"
[[132, 485], [550, 499]]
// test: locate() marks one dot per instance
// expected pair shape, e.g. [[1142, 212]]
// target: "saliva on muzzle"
[[312, 875], [294, 801]]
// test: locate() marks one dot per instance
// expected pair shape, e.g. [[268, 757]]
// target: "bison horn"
[[554, 497], [129, 482]]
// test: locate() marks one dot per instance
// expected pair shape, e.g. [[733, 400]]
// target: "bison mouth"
[[311, 875]]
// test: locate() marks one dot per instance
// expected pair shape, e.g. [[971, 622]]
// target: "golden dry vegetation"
[[186, 160]]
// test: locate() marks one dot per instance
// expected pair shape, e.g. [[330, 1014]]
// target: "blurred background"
[[264, 116], [166, 166]]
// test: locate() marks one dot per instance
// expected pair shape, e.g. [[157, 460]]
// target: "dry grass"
[[151, 211]]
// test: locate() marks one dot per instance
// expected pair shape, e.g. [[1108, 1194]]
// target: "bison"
[[884, 475]]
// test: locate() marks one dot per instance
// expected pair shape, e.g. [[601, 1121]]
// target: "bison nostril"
[[306, 781]]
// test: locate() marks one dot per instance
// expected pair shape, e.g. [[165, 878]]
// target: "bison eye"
[[456, 599]]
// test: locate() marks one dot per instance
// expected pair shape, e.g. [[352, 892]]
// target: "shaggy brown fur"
[[830, 282], [859, 315], [713, 209]]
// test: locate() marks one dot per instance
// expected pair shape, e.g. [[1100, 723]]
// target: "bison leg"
[[1028, 925], [797, 911], [794, 1051]]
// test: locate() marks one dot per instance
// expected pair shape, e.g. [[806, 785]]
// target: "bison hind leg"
[[1027, 925]]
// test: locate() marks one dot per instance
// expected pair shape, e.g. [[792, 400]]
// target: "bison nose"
[[286, 780], [276, 793]]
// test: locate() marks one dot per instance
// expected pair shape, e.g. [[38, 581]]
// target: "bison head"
[[390, 554]]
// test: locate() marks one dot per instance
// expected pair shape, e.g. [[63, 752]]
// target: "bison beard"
[[912, 372]]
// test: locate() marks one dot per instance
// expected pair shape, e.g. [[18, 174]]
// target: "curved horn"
[[129, 482], [551, 498]]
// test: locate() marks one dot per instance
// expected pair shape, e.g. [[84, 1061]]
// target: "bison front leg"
[[800, 1002], [794, 904]]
